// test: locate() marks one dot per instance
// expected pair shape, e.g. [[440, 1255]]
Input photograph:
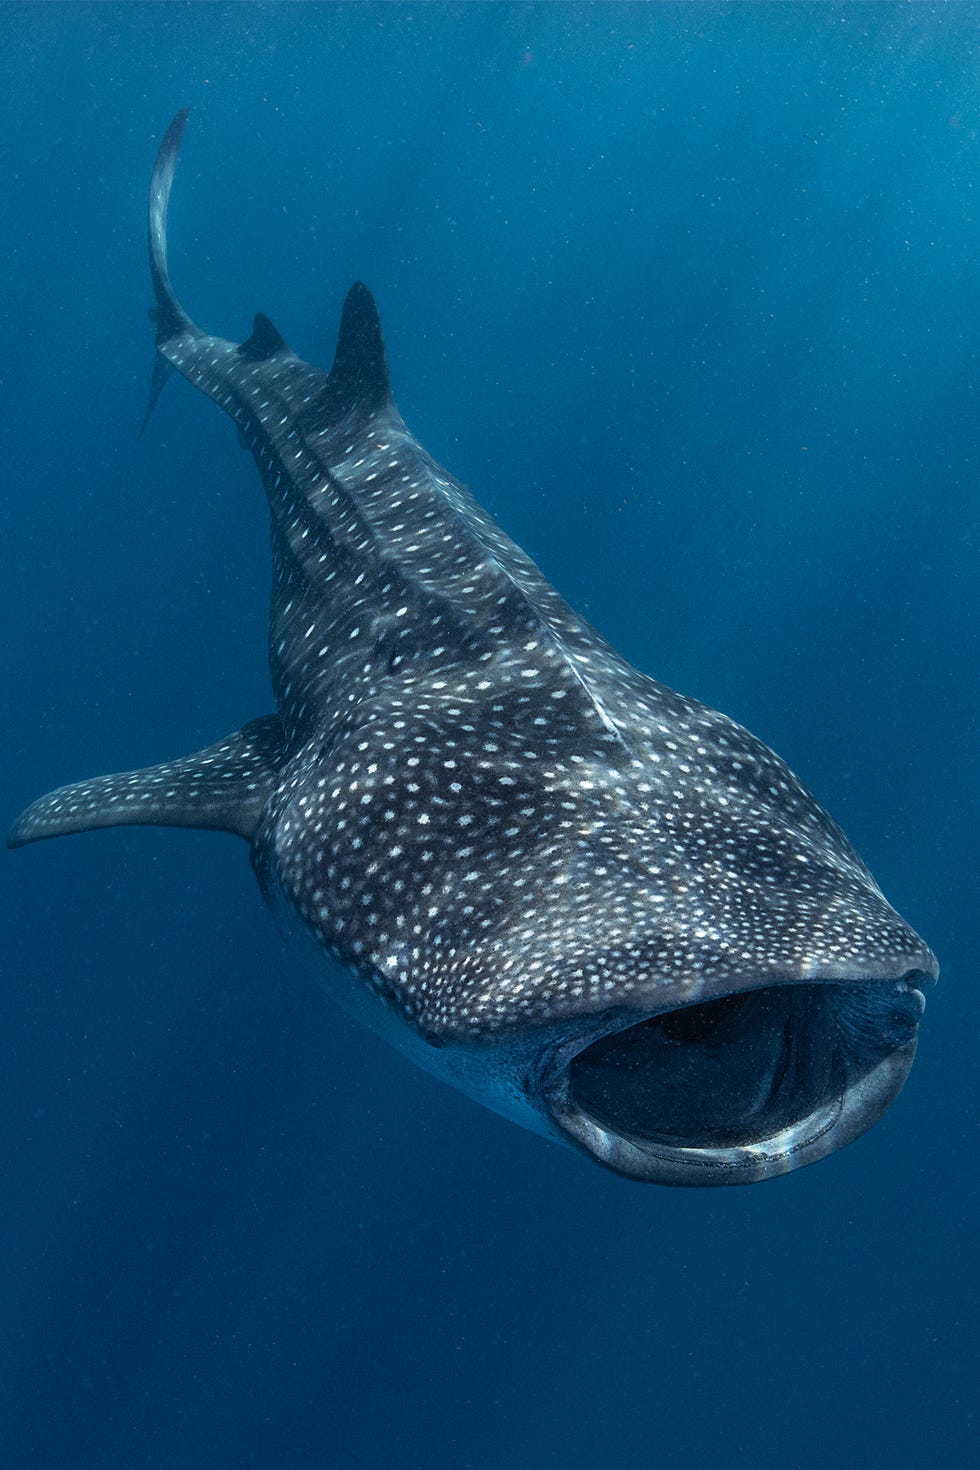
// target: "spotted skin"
[[513, 842]]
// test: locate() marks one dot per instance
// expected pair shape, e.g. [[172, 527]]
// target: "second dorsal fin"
[[266, 340]]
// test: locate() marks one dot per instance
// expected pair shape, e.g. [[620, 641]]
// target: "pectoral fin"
[[223, 787]]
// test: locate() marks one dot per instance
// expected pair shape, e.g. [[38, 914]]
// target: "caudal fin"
[[169, 315], [357, 384]]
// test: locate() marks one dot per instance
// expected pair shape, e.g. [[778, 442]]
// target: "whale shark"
[[595, 905]]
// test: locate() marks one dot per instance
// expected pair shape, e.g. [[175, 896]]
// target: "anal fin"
[[223, 788]]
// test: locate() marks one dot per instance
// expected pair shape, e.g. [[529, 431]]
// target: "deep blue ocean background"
[[689, 294]]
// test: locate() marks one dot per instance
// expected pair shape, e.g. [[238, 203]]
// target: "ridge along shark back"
[[601, 908]]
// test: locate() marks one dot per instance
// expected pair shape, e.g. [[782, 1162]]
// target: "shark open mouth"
[[742, 1087]]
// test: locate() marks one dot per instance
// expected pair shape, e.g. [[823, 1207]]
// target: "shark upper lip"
[[741, 1087]]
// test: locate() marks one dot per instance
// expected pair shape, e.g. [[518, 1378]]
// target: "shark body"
[[598, 906]]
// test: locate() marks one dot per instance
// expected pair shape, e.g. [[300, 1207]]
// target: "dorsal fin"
[[359, 376], [265, 341]]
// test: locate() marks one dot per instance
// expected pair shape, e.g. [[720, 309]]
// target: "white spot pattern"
[[620, 840], [470, 798]]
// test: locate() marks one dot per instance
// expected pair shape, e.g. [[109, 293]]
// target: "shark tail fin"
[[162, 371], [224, 788], [169, 315], [357, 383]]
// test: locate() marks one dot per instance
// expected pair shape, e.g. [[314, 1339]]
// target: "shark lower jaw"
[[739, 1088]]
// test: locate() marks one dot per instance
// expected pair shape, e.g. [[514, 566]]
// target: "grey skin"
[[597, 906]]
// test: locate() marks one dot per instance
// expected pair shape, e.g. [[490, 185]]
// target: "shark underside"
[[598, 906]]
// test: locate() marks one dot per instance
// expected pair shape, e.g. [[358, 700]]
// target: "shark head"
[[661, 951]]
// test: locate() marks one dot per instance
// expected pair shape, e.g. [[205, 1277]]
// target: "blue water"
[[688, 294]]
